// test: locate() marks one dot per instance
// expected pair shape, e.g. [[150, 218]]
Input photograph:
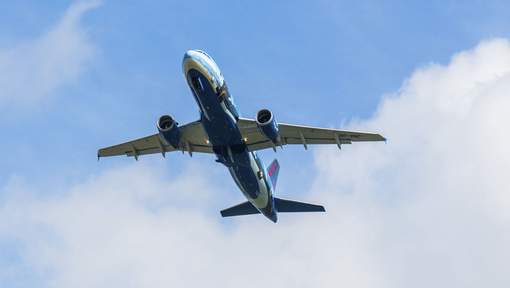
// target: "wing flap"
[[319, 135], [193, 140], [298, 134], [142, 146]]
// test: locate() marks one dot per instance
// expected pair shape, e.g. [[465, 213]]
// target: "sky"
[[428, 208]]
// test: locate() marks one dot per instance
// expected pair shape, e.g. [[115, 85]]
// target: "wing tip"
[[99, 153]]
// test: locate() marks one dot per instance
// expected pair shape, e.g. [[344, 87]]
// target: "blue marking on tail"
[[272, 171]]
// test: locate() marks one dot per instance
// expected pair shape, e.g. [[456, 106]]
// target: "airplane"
[[234, 140]]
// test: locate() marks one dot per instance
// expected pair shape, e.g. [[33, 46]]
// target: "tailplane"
[[245, 208], [283, 205]]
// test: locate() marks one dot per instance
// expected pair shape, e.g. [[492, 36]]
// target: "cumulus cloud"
[[430, 208], [34, 69], [439, 188]]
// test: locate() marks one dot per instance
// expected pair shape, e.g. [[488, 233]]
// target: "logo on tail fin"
[[272, 171]]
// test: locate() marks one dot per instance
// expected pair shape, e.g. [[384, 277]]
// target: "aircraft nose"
[[188, 56], [196, 55], [193, 58], [189, 60], [199, 60]]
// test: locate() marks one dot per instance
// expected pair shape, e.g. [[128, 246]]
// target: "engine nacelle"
[[268, 126], [169, 131]]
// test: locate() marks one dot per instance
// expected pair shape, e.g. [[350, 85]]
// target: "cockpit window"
[[205, 54]]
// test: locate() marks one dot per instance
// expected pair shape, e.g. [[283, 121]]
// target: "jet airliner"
[[234, 140]]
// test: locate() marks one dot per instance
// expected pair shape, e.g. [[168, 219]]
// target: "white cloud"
[[33, 69], [430, 208], [439, 187]]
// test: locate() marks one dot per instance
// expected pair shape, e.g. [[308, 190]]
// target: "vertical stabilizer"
[[272, 171]]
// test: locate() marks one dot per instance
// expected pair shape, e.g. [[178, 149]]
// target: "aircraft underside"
[[234, 140]]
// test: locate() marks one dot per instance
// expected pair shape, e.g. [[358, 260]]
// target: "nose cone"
[[195, 53], [197, 57], [187, 55], [189, 60], [203, 63]]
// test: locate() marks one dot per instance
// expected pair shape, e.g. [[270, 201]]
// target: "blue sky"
[[319, 63], [322, 63]]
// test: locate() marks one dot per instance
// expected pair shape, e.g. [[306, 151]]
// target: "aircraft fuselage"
[[219, 117]]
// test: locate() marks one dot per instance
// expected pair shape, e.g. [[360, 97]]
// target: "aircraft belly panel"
[[224, 135], [219, 123], [245, 173]]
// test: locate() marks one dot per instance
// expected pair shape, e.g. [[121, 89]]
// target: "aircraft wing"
[[302, 135], [193, 139]]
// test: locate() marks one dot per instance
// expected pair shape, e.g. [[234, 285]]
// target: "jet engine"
[[268, 126], [169, 131]]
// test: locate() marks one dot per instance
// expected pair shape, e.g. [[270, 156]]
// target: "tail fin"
[[272, 171], [283, 205]]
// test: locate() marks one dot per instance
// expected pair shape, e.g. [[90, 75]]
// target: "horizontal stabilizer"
[[283, 205], [245, 208]]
